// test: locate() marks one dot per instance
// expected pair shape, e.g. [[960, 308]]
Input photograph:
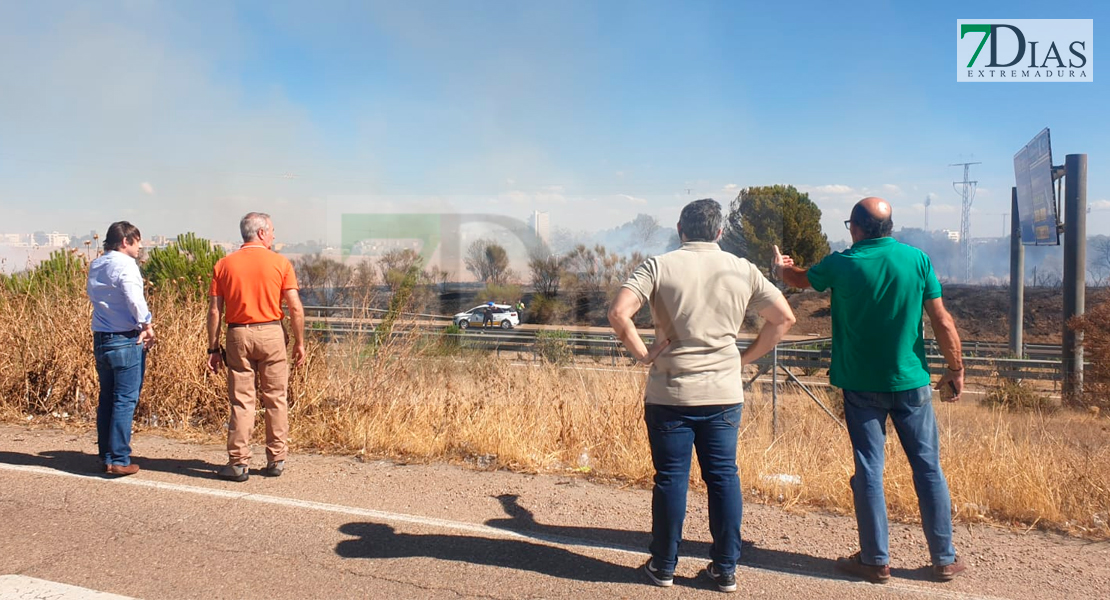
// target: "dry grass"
[[402, 400]]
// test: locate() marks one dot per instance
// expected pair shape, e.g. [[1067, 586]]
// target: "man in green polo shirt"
[[880, 288]]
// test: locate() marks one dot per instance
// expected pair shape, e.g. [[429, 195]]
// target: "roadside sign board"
[[1035, 194]]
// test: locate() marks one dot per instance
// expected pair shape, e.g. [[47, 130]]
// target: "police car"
[[504, 316]]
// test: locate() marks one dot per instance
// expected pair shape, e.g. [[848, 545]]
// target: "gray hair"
[[701, 220], [252, 223]]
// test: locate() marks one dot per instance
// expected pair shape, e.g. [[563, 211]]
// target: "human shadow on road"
[[375, 540], [521, 520], [80, 463]]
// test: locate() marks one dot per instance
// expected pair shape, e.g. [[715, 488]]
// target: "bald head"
[[872, 217], [877, 208]]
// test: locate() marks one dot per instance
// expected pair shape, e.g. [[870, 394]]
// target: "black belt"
[[235, 325], [129, 334]]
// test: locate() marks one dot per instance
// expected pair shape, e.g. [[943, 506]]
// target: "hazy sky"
[[181, 116]]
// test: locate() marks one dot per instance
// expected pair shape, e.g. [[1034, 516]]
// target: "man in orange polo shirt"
[[248, 286]]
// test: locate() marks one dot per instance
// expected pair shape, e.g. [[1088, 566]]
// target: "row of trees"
[[330, 282], [580, 280], [583, 280], [587, 277]]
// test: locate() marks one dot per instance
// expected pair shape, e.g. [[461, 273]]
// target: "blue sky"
[[183, 116]]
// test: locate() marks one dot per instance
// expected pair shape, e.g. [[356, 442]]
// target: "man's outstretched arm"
[[783, 268]]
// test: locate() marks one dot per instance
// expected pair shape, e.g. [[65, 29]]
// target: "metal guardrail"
[[808, 355], [326, 311]]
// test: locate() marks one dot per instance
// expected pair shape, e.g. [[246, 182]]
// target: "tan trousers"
[[257, 351]]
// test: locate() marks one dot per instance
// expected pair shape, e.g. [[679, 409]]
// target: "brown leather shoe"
[[950, 571], [852, 565], [130, 469]]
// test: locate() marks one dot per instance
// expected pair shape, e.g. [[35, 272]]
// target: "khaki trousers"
[[257, 350]]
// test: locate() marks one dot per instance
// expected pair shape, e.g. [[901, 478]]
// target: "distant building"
[[380, 246], [50, 240], [541, 226], [951, 235], [13, 239]]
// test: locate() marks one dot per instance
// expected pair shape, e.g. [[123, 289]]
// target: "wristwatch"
[[215, 350]]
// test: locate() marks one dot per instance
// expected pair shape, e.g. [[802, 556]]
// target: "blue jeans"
[[911, 411], [673, 432], [120, 365]]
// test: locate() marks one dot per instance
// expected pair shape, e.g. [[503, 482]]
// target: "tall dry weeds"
[[404, 398]]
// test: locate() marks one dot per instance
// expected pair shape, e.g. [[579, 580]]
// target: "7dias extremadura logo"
[[1025, 50]]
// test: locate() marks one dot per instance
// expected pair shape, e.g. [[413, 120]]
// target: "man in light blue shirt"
[[122, 332]]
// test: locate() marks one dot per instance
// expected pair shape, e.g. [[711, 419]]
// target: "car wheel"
[[463, 324], [506, 324]]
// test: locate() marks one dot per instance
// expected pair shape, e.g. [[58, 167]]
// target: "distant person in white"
[[122, 333]]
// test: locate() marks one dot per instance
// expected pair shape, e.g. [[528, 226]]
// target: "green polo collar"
[[883, 241]]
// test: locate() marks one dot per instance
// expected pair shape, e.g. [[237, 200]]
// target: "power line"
[[967, 194]]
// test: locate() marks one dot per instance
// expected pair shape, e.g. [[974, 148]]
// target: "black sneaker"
[[232, 472], [726, 582], [659, 578], [274, 469]]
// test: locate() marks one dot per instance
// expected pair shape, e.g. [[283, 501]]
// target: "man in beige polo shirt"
[[249, 285], [698, 296]]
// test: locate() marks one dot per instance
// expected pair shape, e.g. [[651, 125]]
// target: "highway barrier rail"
[[811, 356]]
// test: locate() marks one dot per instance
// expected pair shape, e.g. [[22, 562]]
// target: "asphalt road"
[[336, 527]]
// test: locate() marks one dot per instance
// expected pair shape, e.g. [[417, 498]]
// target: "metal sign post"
[[1036, 202], [1075, 271], [1017, 280]]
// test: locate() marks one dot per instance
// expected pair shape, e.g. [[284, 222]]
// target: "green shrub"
[[507, 293], [64, 270], [1095, 328], [184, 266], [553, 346], [545, 309], [449, 339], [399, 302], [1018, 397]]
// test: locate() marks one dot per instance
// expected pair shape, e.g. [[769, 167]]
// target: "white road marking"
[[18, 587], [485, 530]]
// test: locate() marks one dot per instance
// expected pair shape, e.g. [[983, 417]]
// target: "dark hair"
[[870, 226], [119, 231], [701, 220]]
